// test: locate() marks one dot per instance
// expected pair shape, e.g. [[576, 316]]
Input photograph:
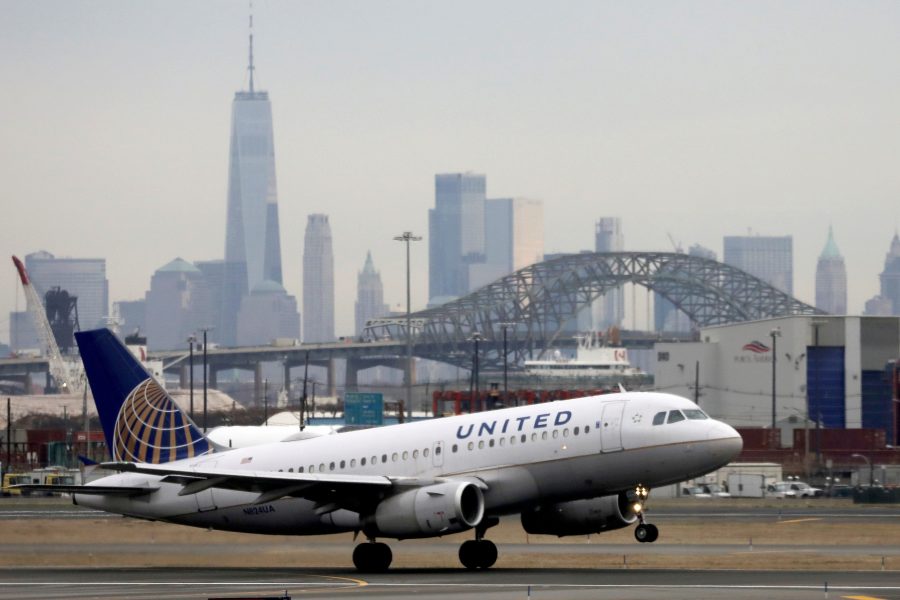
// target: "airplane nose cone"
[[726, 439]]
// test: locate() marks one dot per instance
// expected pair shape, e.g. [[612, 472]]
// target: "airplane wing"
[[330, 492]]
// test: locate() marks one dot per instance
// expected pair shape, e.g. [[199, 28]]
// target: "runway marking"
[[862, 598], [801, 520]]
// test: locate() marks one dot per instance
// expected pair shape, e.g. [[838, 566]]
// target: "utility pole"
[[408, 237], [205, 330], [191, 341], [505, 326], [775, 334], [697, 383]]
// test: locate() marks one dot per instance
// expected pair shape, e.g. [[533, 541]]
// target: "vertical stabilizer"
[[140, 420]]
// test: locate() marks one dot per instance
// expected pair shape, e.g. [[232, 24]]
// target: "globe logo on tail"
[[150, 428]]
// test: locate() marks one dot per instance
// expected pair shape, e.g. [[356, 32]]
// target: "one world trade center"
[[252, 239]]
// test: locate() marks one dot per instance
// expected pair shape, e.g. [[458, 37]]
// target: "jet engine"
[[580, 517], [428, 511]]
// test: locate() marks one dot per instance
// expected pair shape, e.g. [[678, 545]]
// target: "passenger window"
[[321, 467], [566, 432], [299, 469], [502, 441], [491, 442], [576, 430], [555, 433], [455, 448], [481, 444], [384, 458], [425, 453], [437, 449], [331, 467], [675, 416], [405, 455], [524, 438], [374, 460], [471, 445], [544, 435], [312, 468], [291, 470], [343, 464], [587, 429], [695, 414], [416, 453], [352, 462], [394, 457], [362, 461]]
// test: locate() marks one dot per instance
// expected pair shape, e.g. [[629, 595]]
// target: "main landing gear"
[[372, 557], [479, 553], [644, 532]]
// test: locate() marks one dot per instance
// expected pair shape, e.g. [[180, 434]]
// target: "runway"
[[34, 584]]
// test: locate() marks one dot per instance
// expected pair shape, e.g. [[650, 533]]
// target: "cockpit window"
[[695, 414], [659, 418], [675, 416]]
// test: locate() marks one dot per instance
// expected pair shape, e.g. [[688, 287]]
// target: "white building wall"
[[853, 373]]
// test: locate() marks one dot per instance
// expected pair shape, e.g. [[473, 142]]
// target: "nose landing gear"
[[644, 532]]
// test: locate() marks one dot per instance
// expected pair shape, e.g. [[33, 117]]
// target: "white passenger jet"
[[570, 467]]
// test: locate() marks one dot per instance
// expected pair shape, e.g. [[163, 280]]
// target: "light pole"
[[476, 337], [205, 331], [871, 468], [408, 237], [506, 326], [775, 333], [191, 341]]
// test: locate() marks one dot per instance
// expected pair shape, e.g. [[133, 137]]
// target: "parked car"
[[792, 489]]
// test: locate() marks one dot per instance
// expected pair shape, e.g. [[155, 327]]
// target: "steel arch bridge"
[[535, 303]]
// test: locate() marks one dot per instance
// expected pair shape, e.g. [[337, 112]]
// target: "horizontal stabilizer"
[[95, 490]]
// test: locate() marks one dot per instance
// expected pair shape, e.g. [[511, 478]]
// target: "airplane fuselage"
[[519, 457]]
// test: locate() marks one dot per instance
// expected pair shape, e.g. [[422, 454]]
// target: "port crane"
[[68, 380]]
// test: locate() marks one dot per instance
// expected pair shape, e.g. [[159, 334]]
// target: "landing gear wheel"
[[646, 532], [478, 554], [372, 557]]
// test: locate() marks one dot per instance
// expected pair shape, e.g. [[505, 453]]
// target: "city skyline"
[[674, 120]]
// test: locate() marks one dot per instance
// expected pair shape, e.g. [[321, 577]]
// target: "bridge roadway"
[[359, 356]]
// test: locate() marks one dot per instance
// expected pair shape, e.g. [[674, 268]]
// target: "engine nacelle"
[[428, 511], [580, 517]]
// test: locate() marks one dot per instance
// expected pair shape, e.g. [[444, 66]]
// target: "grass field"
[[775, 542]]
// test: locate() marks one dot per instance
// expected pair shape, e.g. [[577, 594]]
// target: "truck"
[[11, 479], [747, 485]]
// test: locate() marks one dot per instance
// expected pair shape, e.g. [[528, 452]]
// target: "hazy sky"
[[702, 119]]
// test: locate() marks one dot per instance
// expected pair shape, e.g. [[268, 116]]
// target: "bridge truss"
[[535, 303]]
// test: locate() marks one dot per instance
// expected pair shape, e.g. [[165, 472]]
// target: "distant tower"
[[318, 281], [455, 234], [609, 310], [771, 258], [252, 240], [831, 279], [890, 277], [369, 295]]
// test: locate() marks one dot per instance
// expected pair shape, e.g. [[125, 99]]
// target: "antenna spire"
[[250, 66]]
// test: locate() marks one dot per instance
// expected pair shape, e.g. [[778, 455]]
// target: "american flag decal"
[[756, 346]]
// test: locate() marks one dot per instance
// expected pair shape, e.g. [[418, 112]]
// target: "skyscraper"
[[831, 279], [252, 239], [609, 310], [318, 281], [513, 239], [456, 234], [369, 295], [176, 305], [890, 277], [770, 258], [84, 278]]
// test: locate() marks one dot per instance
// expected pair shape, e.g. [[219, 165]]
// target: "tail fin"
[[140, 420]]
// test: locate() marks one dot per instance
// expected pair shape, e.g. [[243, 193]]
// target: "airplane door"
[[205, 498], [437, 454], [611, 426]]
